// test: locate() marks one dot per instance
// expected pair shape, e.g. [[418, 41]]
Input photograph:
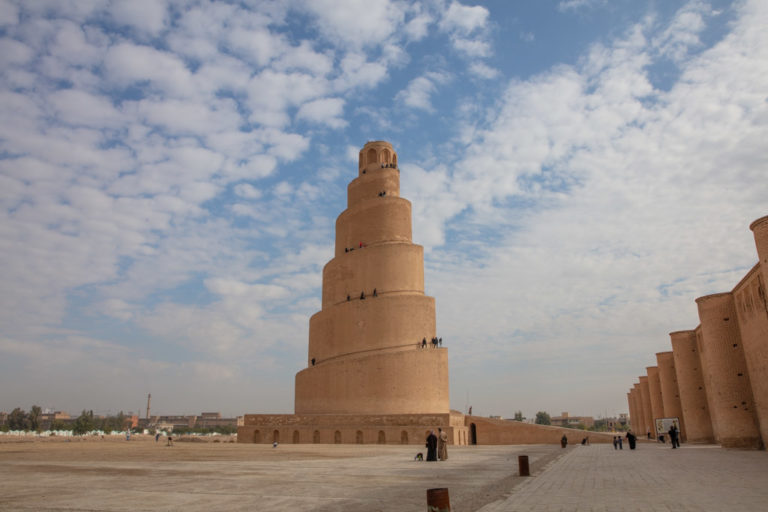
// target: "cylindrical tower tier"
[[639, 425], [384, 219], [753, 321], [389, 320], [670, 395], [380, 183], [404, 382], [632, 409], [387, 268], [645, 404], [690, 383], [654, 393], [760, 230], [726, 379]]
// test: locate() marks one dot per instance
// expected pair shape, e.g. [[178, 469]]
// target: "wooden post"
[[437, 500], [522, 462]]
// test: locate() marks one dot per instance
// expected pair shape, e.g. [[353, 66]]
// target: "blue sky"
[[170, 174]]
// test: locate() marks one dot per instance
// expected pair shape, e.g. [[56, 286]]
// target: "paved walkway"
[[651, 478]]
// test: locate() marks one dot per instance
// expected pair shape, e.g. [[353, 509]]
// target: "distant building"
[[565, 420], [204, 420], [48, 418]]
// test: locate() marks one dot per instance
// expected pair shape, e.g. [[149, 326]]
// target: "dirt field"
[[115, 474]]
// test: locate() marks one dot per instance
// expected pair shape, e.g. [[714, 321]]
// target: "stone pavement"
[[651, 478]]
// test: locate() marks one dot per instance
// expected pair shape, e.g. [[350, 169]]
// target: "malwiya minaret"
[[373, 374], [366, 352]]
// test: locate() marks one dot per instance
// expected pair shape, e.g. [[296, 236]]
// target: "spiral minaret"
[[365, 345]]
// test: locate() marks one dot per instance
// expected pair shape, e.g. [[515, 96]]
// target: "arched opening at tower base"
[[472, 433]]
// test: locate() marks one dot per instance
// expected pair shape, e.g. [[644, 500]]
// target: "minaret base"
[[409, 429]]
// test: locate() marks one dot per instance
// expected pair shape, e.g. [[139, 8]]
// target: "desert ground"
[[113, 474]]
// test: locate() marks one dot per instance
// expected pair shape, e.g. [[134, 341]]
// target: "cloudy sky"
[[171, 171]]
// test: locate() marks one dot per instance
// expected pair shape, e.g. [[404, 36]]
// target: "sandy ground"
[[115, 474]]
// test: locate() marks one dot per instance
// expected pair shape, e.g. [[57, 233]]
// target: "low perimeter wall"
[[402, 429], [490, 431]]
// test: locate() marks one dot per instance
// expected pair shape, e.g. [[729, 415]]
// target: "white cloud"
[[566, 5], [356, 71], [683, 32], [247, 191], [472, 47], [9, 13], [73, 47], [357, 23], [80, 108], [303, 57], [270, 93], [418, 93], [128, 64], [483, 70], [464, 19], [417, 27], [467, 27], [326, 111], [14, 52], [150, 16]]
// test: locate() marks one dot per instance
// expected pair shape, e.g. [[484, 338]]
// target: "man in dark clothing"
[[673, 436], [432, 446]]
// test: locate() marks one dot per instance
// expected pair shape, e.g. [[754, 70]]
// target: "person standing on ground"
[[431, 446], [621, 447], [615, 442], [673, 436], [442, 444], [564, 441], [631, 439]]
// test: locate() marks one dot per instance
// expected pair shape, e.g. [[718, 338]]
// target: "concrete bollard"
[[437, 500], [522, 463]]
